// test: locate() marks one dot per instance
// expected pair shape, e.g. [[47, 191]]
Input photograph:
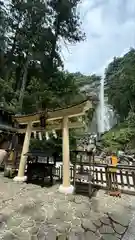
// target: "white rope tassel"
[[40, 136], [47, 136], [54, 133], [80, 119], [35, 135]]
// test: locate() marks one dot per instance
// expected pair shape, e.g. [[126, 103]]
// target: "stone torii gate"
[[64, 119]]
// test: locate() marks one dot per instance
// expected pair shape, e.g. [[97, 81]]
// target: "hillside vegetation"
[[120, 89]]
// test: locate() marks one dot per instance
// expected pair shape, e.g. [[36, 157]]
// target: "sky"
[[110, 31]]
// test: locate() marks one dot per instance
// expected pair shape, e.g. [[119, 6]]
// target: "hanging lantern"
[[43, 118], [42, 121]]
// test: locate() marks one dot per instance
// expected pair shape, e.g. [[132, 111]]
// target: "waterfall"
[[106, 118], [101, 109]]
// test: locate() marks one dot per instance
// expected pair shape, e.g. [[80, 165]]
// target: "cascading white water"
[[101, 109], [106, 118]]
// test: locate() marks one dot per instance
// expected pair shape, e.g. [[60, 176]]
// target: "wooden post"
[[74, 178], [23, 159], [65, 150], [66, 187], [107, 178], [90, 175]]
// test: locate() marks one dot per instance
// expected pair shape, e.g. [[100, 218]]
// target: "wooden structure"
[[6, 128], [40, 165], [9, 164], [64, 119], [125, 177], [6, 122], [7, 136], [83, 159]]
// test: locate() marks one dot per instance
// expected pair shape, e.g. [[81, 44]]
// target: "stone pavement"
[[29, 212], [130, 233]]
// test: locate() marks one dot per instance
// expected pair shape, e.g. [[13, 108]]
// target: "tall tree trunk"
[[57, 30], [24, 80]]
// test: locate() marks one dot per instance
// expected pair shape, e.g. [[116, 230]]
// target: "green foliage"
[[120, 89], [3, 25], [88, 84], [30, 64], [31, 76], [61, 91], [44, 145], [131, 119], [32, 52], [53, 143], [7, 95], [121, 135], [120, 84]]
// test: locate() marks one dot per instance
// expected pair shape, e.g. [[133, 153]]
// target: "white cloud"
[[110, 29]]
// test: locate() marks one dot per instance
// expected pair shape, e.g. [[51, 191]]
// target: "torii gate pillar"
[[21, 172], [66, 187]]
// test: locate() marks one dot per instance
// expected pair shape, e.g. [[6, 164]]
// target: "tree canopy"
[[120, 84], [32, 75], [120, 89], [31, 67]]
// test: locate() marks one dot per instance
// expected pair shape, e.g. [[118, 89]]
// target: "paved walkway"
[[130, 233], [29, 212]]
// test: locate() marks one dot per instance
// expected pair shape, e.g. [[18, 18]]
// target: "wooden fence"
[[125, 176]]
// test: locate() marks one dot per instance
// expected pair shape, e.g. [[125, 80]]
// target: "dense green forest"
[[32, 75], [31, 67], [120, 89]]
